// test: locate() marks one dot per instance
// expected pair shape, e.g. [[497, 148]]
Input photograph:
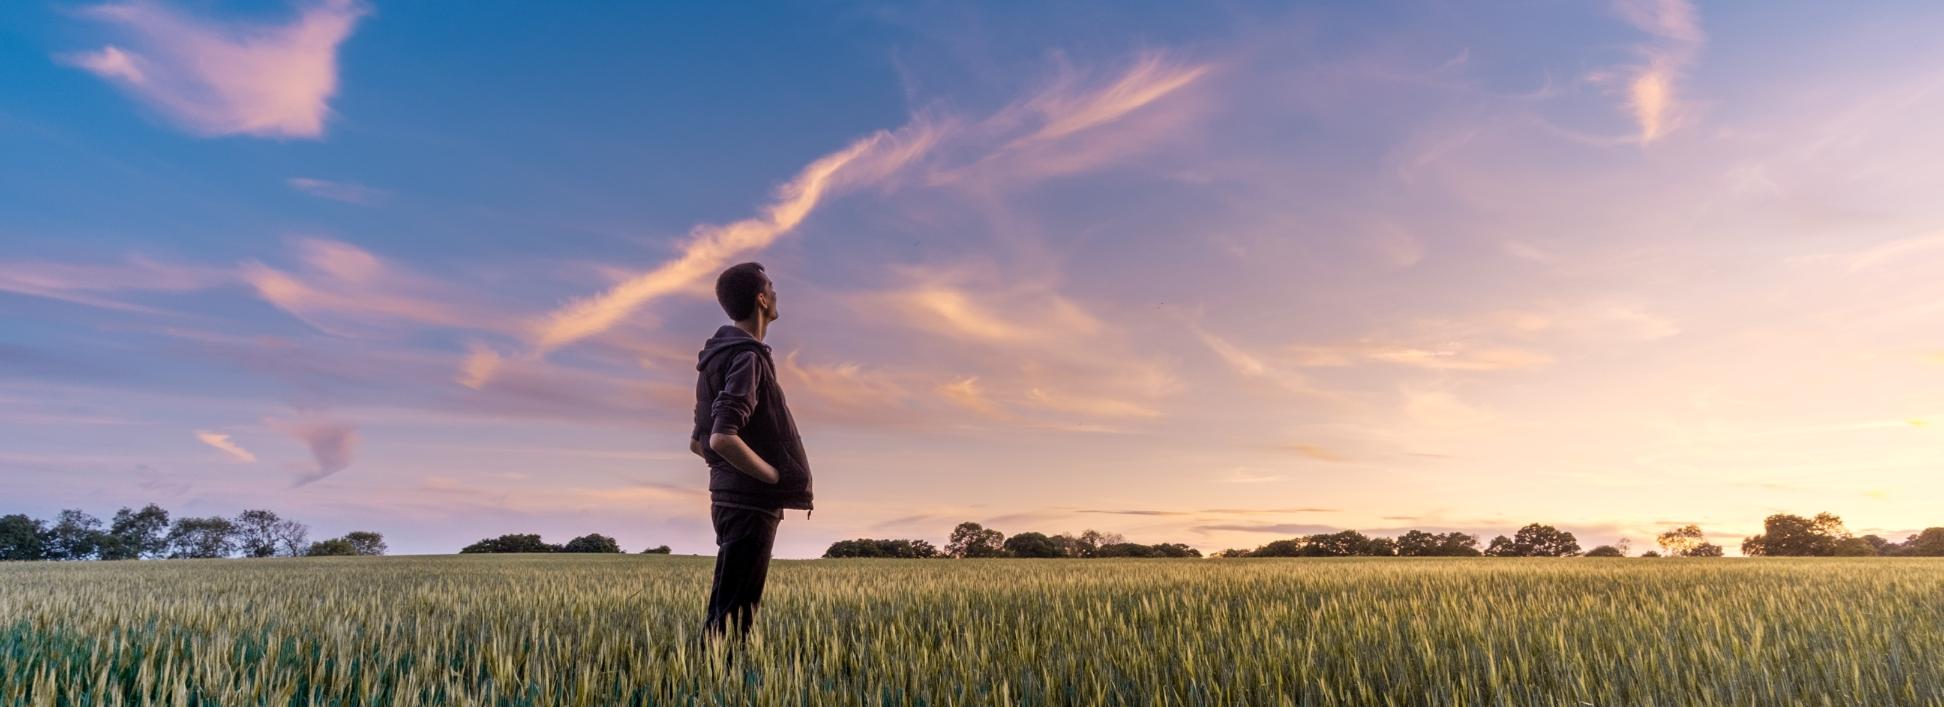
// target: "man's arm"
[[695, 445], [731, 411]]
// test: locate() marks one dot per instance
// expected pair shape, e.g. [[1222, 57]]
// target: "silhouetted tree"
[[1535, 540], [23, 538], [75, 536], [1292, 547], [256, 532], [1605, 551], [332, 547], [592, 542], [1139, 550], [1031, 544], [137, 534], [1650, 553], [1418, 543], [867, 547], [973, 540], [516, 542], [1853, 547], [657, 550], [1786, 535], [1929, 543], [366, 542], [214, 536]]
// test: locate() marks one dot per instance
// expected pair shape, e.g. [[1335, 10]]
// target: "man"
[[744, 430]]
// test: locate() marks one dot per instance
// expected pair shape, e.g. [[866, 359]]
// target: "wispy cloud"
[[347, 192], [223, 443], [1653, 92], [332, 443], [712, 247], [344, 290], [222, 77], [90, 284]]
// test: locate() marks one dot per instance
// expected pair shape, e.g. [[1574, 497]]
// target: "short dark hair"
[[737, 287]]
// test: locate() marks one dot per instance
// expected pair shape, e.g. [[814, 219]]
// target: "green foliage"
[[1031, 544], [1786, 535], [510, 543], [973, 540], [134, 534], [23, 538], [1418, 543], [366, 542], [592, 542], [332, 547], [657, 550], [75, 536], [867, 547], [201, 538]]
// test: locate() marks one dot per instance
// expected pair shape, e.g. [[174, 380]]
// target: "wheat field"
[[602, 630]]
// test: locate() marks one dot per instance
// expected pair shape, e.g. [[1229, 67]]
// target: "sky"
[[1219, 274]]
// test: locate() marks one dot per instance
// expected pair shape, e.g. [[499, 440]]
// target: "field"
[[598, 630]]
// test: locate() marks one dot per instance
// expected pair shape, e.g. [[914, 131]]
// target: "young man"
[[743, 429]]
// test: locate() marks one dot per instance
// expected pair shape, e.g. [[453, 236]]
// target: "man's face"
[[767, 301]]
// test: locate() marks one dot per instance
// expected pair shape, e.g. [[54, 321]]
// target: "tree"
[[1535, 540], [1292, 547], [592, 542], [1786, 535], [1232, 552], [330, 548], [1705, 550], [973, 540], [256, 532], [1853, 547], [1605, 551], [214, 536], [1418, 543], [1091, 540], [75, 536], [1139, 550], [867, 547], [1929, 543], [1679, 541], [657, 550], [292, 537], [1031, 544], [517, 542], [136, 534], [366, 542], [23, 538], [1650, 553]]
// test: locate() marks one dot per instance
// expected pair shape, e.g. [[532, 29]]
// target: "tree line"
[[1783, 535], [149, 533], [531, 542]]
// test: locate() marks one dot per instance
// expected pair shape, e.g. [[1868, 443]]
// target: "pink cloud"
[[218, 78], [332, 444]]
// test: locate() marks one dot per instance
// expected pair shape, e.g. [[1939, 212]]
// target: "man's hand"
[[739, 455], [695, 445]]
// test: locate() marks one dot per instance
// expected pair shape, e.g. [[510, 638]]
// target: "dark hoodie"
[[736, 393]]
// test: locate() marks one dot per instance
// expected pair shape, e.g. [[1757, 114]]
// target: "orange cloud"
[[1651, 91], [227, 78], [222, 442]]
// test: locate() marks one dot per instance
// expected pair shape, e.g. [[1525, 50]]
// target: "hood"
[[728, 339]]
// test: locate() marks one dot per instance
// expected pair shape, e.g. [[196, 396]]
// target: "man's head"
[[746, 294]]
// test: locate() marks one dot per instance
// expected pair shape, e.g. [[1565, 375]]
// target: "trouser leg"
[[744, 539]]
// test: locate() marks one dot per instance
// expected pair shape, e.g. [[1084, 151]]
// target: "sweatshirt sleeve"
[[738, 397]]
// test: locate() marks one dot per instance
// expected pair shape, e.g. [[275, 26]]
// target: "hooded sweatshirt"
[[736, 393]]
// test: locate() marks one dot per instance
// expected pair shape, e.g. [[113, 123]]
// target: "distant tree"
[[256, 532], [214, 536], [1535, 540], [1705, 550], [1929, 543], [592, 542], [1091, 540], [366, 542], [1346, 543], [1292, 547], [866, 547], [1679, 541], [973, 540], [137, 534], [23, 538], [292, 537], [1605, 551], [1232, 552], [330, 548], [657, 550], [75, 536], [517, 542], [1125, 549], [1650, 553], [1786, 535], [1031, 544], [1853, 547], [1418, 543]]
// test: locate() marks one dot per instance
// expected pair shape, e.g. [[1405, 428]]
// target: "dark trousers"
[[744, 538]]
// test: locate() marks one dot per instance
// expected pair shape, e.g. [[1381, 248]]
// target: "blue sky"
[[1217, 274]]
